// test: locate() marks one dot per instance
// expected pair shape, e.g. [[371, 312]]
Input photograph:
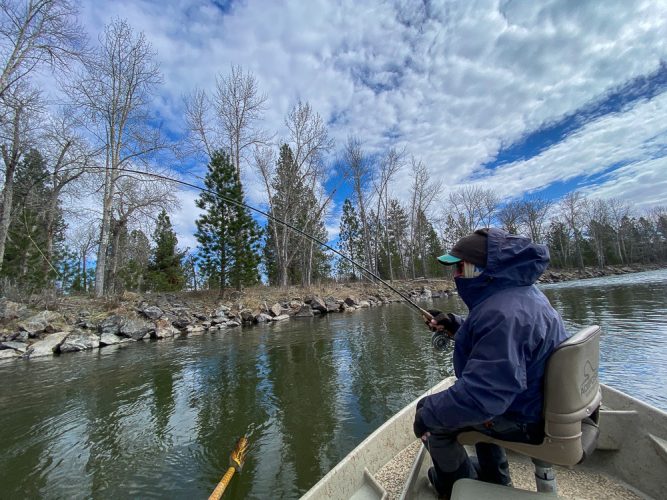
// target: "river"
[[159, 419]]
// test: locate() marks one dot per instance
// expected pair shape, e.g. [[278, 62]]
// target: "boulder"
[[263, 318], [164, 329], [42, 322], [247, 316], [295, 304], [276, 309], [351, 301], [318, 304], [11, 310], [281, 317], [218, 320], [136, 329], [332, 305], [152, 312], [79, 340], [364, 304], [304, 311], [181, 323], [13, 345], [8, 354], [425, 293], [232, 323], [195, 330], [111, 325], [47, 347], [107, 338], [221, 310]]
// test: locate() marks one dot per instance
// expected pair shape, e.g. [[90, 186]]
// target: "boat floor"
[[579, 483]]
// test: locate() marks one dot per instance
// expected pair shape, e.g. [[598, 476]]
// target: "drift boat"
[[629, 458]]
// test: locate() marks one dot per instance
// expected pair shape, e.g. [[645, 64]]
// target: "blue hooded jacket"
[[503, 345]]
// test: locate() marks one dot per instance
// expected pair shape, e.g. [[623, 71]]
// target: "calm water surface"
[[159, 419]]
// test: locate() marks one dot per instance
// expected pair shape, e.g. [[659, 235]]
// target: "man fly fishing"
[[499, 357]]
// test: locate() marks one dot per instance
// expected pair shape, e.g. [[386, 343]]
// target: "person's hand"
[[418, 426], [442, 322]]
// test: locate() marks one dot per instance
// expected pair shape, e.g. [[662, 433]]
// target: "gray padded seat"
[[571, 402]]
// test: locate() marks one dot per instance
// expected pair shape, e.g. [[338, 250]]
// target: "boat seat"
[[465, 489], [571, 407]]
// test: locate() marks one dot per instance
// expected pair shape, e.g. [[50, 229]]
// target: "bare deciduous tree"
[[619, 212], [358, 170], [509, 216], [115, 92], [83, 239], [572, 211], [68, 155], [33, 32], [597, 225], [533, 216], [390, 164], [136, 201], [228, 120], [422, 193], [470, 208]]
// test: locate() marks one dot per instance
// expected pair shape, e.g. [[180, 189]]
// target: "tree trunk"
[[101, 266], [6, 210]]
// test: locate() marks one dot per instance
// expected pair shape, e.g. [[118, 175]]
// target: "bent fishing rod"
[[427, 315]]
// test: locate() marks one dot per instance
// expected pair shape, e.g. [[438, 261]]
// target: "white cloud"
[[452, 82], [633, 138]]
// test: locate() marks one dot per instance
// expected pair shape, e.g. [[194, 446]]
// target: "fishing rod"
[[427, 315]]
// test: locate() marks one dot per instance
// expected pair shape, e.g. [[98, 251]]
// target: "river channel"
[[159, 419]]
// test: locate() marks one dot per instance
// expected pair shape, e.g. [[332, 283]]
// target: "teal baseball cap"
[[471, 248]]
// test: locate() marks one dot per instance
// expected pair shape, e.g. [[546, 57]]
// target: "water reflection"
[[159, 419]]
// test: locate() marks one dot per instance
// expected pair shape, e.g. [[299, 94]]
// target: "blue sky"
[[520, 97]]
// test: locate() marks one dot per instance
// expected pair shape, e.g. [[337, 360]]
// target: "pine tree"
[[166, 271], [137, 253], [227, 234], [392, 256], [24, 260], [349, 241], [289, 257], [427, 246]]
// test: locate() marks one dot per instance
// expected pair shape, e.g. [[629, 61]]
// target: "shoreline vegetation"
[[51, 327]]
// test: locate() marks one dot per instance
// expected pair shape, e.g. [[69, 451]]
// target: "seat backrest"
[[572, 389], [571, 402]]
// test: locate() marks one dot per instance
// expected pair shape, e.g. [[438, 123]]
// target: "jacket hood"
[[512, 260]]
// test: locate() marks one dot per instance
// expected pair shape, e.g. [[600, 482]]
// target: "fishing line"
[[424, 312]]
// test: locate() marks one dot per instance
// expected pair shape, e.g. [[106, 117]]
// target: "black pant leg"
[[493, 464], [450, 461]]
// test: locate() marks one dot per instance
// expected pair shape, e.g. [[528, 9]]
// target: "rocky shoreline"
[[84, 324], [27, 334]]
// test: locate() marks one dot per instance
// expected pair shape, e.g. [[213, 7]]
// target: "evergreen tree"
[[24, 260], [433, 249], [227, 234], [166, 271], [289, 258], [136, 251], [349, 241], [396, 239]]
